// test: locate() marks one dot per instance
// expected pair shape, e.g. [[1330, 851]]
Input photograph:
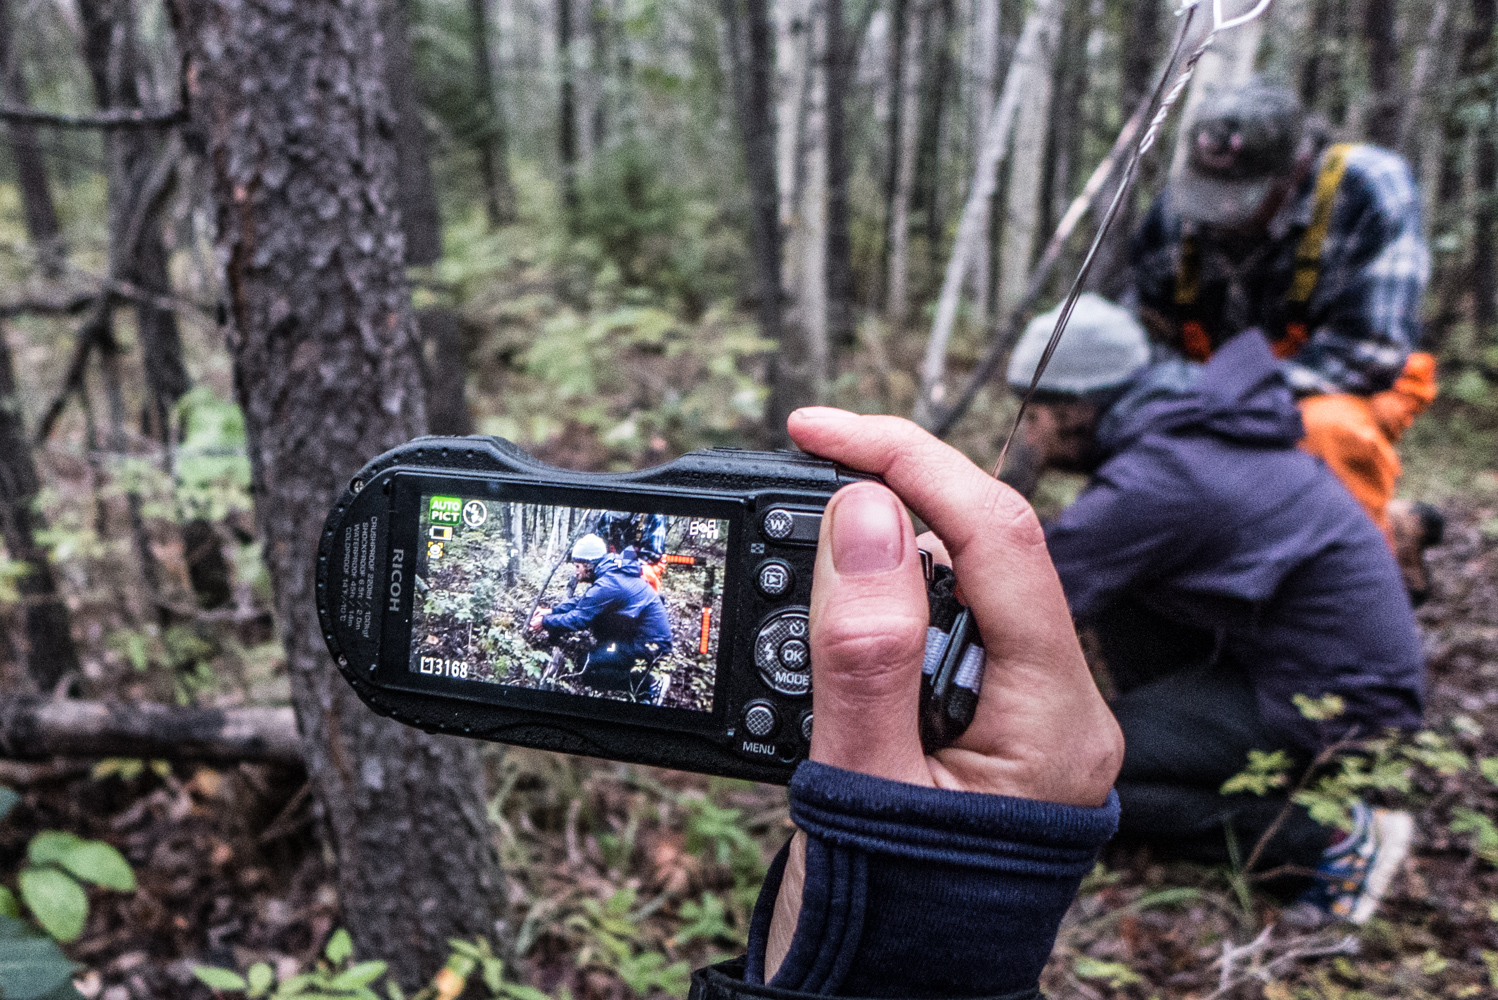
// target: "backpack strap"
[[1308, 254]]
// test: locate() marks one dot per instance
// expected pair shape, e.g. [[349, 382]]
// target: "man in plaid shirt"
[[1321, 249]]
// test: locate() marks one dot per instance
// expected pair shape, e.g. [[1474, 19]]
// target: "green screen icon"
[[445, 510]]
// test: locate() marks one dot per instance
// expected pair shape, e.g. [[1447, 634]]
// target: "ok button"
[[774, 578], [794, 654]]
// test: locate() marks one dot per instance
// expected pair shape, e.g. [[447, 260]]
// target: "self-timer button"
[[774, 578], [781, 653], [761, 719]]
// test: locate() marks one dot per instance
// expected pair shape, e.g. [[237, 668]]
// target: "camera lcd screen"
[[609, 604]]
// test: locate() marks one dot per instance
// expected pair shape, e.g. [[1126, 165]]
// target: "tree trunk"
[[33, 728], [47, 639], [567, 114], [140, 167], [751, 62], [1382, 124], [841, 54], [31, 170], [897, 295], [895, 57], [1414, 113], [600, 27], [1022, 215], [421, 220], [929, 158], [1480, 59], [807, 234], [986, 15], [1029, 62], [326, 369], [1141, 48], [490, 140]]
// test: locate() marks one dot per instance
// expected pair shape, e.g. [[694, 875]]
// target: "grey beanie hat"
[[1103, 345]]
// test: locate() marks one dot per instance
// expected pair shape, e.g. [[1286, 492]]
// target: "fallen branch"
[[47, 307], [35, 728], [112, 118], [1298, 950]]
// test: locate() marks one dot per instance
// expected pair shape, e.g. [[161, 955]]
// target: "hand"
[[1042, 730], [535, 622]]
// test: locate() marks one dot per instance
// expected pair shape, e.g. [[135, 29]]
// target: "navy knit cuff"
[[923, 892]]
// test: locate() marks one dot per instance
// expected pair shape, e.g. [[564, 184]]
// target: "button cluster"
[[781, 652]]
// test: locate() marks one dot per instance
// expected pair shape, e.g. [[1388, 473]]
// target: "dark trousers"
[[610, 666], [1189, 719]]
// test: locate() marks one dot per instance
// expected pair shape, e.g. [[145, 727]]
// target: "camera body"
[[658, 617]]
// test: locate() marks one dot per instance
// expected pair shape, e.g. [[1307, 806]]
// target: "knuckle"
[[868, 643]]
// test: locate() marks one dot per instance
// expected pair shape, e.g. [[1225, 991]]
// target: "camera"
[[658, 617]]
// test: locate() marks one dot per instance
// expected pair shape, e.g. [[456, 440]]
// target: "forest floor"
[[612, 865]]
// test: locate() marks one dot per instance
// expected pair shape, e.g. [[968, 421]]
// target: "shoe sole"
[[1392, 834]]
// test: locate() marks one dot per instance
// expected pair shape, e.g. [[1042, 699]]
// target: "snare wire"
[[1187, 13]]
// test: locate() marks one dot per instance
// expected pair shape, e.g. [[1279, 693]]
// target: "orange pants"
[[1355, 435]]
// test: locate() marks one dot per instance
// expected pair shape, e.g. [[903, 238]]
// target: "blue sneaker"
[[1355, 873]]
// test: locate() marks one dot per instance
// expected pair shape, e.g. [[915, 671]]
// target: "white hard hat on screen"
[[589, 549]]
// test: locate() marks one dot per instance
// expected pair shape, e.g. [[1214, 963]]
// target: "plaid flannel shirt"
[[1364, 314]]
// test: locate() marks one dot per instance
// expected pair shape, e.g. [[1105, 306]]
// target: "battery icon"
[[440, 533]]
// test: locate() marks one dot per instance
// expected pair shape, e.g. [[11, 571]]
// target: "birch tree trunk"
[[807, 237], [1022, 213], [1415, 111], [1229, 63], [289, 105], [1031, 61], [897, 295]]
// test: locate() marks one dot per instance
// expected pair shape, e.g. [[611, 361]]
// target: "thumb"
[[868, 634]]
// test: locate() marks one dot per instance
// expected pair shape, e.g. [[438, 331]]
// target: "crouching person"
[[1224, 572]]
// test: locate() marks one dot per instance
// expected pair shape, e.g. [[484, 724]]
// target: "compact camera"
[[658, 617]]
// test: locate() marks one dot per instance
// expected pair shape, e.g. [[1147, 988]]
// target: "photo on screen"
[[606, 604]]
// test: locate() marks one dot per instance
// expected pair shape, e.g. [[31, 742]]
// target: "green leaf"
[[32, 967], [260, 977], [1118, 974], [1489, 768], [97, 862], [51, 846], [57, 902], [358, 975], [1319, 709], [8, 905], [340, 946], [8, 800], [219, 979], [519, 991]]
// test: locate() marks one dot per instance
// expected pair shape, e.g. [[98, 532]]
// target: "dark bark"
[[1383, 72], [839, 263], [1322, 78], [33, 728], [47, 636], [1478, 56], [31, 170], [751, 62], [567, 114], [490, 140], [928, 196], [444, 371], [1141, 48], [1063, 143], [899, 21], [600, 28], [288, 104], [140, 169], [420, 218]]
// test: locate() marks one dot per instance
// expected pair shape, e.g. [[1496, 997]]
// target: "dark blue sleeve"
[[923, 892], [580, 613]]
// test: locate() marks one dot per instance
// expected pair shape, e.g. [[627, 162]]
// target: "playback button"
[[774, 578]]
